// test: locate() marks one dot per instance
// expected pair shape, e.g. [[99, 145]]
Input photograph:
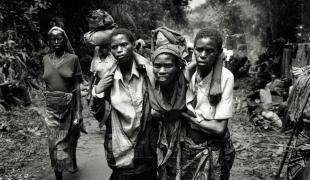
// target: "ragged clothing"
[[130, 140], [62, 135], [207, 156], [211, 159], [298, 98], [167, 110], [170, 128], [100, 66]]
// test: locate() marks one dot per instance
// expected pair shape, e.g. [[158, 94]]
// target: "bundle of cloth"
[[101, 25], [163, 36], [266, 104]]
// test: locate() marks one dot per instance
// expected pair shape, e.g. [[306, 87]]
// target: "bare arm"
[[4, 84], [191, 67], [104, 83], [212, 127], [78, 103], [91, 82]]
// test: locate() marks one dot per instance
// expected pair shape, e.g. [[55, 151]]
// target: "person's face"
[[165, 69], [104, 50], [121, 48], [206, 52], [57, 40]]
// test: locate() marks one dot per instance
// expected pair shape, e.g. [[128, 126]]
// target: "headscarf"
[[69, 48], [177, 101], [175, 50], [167, 36], [170, 126], [172, 36]]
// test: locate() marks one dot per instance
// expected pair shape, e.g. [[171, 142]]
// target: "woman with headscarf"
[[62, 75], [167, 99], [207, 150]]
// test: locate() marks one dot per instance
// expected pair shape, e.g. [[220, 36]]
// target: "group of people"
[[165, 118]]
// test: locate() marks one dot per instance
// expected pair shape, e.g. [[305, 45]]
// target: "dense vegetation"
[[24, 23]]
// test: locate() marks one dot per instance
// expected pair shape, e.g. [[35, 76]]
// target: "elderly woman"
[[167, 102], [207, 150], [131, 136], [62, 76]]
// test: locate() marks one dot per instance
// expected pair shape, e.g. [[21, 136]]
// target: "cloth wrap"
[[170, 126], [62, 135]]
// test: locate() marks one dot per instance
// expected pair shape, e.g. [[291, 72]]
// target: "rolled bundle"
[[101, 25], [97, 38]]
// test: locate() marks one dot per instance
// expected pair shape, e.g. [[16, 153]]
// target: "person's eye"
[[156, 66], [199, 49], [168, 66], [124, 44], [209, 51], [113, 47]]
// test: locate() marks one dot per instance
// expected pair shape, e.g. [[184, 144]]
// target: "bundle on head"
[[163, 35], [101, 25]]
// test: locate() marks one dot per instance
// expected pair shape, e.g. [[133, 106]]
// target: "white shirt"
[[204, 110], [100, 66], [126, 101]]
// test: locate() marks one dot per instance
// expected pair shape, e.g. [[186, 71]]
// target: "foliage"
[[139, 16], [19, 35]]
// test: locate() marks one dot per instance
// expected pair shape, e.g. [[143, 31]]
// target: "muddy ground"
[[24, 154]]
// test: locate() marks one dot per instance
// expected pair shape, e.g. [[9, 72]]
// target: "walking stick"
[[286, 150]]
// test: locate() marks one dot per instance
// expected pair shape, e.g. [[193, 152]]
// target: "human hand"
[[188, 116], [104, 83], [13, 82], [191, 119], [173, 115], [155, 113], [78, 119]]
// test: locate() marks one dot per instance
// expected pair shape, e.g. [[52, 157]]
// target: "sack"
[[97, 38], [172, 36], [99, 19]]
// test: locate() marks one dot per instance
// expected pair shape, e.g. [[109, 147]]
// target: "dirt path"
[[258, 151], [25, 155]]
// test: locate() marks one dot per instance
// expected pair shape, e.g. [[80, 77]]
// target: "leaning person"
[[62, 75], [168, 101], [207, 150], [131, 135]]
